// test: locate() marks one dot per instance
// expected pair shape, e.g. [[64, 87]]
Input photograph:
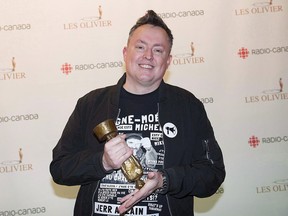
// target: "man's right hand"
[[116, 151]]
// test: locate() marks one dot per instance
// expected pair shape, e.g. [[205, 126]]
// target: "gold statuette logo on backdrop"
[[260, 7], [10, 72], [276, 94], [16, 165], [188, 57], [90, 22]]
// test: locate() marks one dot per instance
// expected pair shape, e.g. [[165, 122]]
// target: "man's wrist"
[[105, 167], [163, 190]]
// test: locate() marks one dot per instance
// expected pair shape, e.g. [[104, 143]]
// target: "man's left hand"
[[154, 181]]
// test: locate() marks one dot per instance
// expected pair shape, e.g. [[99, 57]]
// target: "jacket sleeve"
[[74, 162], [205, 171]]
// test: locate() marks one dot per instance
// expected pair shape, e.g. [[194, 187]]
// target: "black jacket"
[[193, 160]]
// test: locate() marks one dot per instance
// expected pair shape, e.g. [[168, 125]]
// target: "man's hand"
[[116, 151], [154, 181]]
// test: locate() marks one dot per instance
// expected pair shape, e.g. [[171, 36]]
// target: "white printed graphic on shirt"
[[170, 130], [145, 136], [112, 209]]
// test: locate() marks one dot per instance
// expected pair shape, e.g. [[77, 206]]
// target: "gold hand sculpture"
[[131, 168]]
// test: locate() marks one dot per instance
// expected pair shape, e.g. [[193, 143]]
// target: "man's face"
[[147, 56]]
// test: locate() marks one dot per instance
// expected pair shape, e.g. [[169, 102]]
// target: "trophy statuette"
[[131, 168]]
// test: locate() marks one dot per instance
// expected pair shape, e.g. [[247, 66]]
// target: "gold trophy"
[[131, 168]]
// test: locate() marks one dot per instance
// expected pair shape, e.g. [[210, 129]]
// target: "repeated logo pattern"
[[243, 53], [66, 68]]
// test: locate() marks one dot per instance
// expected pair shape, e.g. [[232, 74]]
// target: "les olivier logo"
[[96, 21], [16, 165], [269, 95], [10, 72], [255, 141], [188, 57], [277, 186], [260, 8]]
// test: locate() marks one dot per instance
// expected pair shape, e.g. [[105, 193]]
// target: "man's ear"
[[169, 59], [124, 51]]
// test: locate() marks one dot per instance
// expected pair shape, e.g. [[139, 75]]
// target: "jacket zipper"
[[206, 143], [166, 196], [118, 114]]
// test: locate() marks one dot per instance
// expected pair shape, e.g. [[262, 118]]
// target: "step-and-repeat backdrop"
[[233, 55]]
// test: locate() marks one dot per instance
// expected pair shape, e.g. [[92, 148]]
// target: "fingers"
[[116, 141], [152, 183], [116, 151], [129, 200], [128, 196]]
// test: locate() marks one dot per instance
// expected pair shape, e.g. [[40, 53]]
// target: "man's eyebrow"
[[141, 41], [157, 44]]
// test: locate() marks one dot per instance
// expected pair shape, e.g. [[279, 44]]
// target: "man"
[[189, 161]]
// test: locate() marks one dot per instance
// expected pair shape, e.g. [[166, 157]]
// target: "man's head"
[[147, 55], [153, 19]]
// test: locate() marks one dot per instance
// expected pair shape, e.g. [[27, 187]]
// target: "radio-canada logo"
[[66, 68], [254, 141], [244, 52]]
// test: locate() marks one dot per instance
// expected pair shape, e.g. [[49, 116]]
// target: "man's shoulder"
[[99, 94], [99, 91], [180, 93]]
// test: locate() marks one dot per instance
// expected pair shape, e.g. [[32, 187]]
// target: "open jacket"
[[193, 160]]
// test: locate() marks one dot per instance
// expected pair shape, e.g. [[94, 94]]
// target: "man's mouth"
[[146, 66]]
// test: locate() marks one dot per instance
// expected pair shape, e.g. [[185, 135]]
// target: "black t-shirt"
[[138, 119]]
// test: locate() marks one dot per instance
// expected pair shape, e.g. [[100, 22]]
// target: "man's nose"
[[148, 54]]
